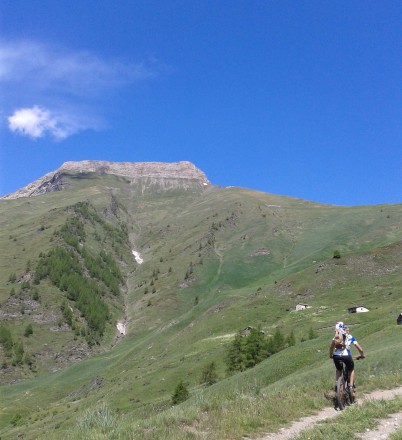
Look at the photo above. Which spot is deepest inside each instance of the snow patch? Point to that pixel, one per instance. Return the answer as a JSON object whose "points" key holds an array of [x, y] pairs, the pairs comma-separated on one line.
{"points": [[137, 257], [121, 327]]}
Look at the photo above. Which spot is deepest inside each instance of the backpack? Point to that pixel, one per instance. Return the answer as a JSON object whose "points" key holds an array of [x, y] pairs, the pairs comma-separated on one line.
{"points": [[339, 340]]}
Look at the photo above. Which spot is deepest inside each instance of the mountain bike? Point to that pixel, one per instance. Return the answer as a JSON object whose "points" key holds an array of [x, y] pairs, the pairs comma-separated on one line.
{"points": [[344, 394]]}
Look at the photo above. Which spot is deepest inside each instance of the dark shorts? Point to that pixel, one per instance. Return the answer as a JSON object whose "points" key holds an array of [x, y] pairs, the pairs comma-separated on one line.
{"points": [[347, 360]]}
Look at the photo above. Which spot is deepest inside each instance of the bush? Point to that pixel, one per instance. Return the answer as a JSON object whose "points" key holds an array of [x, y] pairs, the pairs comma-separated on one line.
{"points": [[35, 294], [67, 313], [28, 330], [18, 354], [16, 419]]}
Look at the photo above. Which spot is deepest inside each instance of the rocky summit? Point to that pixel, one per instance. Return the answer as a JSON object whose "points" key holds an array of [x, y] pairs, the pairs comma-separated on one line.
{"points": [[162, 173]]}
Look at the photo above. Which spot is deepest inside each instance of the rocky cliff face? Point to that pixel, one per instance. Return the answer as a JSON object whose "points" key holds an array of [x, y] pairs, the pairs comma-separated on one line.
{"points": [[165, 175]]}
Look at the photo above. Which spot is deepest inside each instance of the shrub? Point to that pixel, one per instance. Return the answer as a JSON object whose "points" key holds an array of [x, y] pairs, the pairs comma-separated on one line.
{"points": [[18, 354], [35, 294], [16, 419], [25, 285], [28, 330], [67, 313]]}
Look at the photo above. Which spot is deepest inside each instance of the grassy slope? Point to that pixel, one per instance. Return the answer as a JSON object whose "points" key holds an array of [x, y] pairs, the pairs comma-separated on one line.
{"points": [[217, 233]]}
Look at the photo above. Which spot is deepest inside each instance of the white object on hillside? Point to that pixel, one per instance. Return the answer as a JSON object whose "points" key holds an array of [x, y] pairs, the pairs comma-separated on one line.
{"points": [[302, 307], [137, 257], [358, 309], [121, 327]]}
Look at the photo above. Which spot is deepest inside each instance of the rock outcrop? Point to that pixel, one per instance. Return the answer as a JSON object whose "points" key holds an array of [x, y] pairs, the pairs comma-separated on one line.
{"points": [[165, 175]]}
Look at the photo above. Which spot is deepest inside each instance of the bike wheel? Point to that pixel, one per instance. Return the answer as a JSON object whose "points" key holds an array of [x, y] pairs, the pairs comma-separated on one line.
{"points": [[341, 393]]}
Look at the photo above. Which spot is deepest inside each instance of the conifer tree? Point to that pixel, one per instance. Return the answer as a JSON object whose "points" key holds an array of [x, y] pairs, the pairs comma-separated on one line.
{"points": [[209, 375], [279, 340], [291, 340], [180, 393], [235, 358], [276, 342], [255, 348], [6, 340], [312, 334]]}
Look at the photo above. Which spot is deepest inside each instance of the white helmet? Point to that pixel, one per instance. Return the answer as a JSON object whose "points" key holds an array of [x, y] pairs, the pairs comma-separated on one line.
{"points": [[339, 326]]}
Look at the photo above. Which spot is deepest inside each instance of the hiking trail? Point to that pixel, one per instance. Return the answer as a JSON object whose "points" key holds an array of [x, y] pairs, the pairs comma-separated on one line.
{"points": [[385, 428]]}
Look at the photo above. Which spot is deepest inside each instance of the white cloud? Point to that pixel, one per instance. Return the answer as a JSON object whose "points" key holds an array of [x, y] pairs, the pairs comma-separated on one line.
{"points": [[70, 90], [46, 67], [37, 122]]}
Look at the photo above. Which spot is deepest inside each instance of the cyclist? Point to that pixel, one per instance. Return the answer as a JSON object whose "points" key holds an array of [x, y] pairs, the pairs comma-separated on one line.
{"points": [[340, 352]]}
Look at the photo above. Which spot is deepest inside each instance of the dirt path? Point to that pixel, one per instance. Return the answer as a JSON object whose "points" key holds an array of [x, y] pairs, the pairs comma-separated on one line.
{"points": [[384, 429], [387, 426]]}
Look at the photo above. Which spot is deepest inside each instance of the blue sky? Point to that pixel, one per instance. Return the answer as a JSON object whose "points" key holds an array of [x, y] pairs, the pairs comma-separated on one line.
{"points": [[297, 98]]}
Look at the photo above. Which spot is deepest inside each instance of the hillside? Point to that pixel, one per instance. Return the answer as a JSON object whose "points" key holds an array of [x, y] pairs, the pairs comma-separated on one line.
{"points": [[120, 280]]}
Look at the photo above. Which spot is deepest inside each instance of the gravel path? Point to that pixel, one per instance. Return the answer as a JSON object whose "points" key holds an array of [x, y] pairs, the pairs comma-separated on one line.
{"points": [[386, 427]]}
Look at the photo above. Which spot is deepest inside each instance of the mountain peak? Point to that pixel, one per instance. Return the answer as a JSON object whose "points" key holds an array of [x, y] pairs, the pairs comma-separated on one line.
{"points": [[159, 172], [175, 170]]}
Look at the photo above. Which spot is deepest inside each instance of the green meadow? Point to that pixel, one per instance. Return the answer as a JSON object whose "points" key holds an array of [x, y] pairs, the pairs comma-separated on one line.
{"points": [[215, 261]]}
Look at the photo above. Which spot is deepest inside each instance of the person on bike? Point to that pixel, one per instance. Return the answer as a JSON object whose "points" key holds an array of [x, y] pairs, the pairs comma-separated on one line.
{"points": [[339, 351]]}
